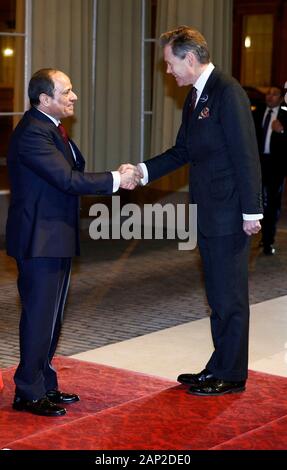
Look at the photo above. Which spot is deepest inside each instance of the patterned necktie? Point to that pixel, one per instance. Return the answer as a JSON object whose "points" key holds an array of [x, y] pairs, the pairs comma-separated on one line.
{"points": [[265, 127], [63, 133], [193, 98]]}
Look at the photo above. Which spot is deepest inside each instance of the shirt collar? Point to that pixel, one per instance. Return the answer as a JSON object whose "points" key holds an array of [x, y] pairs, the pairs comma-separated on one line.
{"points": [[55, 121], [202, 79], [274, 110]]}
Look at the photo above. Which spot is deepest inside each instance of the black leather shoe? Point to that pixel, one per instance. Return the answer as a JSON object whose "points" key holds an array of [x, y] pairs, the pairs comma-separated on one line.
{"points": [[217, 387], [42, 407], [55, 396], [196, 379], [269, 250]]}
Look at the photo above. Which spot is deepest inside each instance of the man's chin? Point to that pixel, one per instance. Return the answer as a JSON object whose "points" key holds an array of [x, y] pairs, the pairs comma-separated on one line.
{"points": [[69, 113]]}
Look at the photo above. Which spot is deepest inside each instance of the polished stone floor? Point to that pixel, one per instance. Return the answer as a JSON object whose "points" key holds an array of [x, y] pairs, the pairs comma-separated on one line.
{"points": [[125, 289]]}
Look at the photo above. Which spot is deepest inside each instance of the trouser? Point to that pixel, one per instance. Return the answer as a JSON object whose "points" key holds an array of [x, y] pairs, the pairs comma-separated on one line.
{"points": [[272, 190], [43, 285], [225, 262]]}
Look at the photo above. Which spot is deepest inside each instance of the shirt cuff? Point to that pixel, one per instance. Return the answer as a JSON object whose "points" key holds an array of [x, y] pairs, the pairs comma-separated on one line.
{"points": [[252, 216], [116, 180], [144, 180]]}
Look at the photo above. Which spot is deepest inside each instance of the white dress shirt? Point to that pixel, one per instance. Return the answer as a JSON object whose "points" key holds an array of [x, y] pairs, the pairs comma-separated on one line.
{"points": [[274, 115], [115, 174]]}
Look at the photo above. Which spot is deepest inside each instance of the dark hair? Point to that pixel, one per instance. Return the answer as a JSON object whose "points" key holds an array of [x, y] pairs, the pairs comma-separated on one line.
{"points": [[277, 87], [41, 82], [184, 39], [281, 88]]}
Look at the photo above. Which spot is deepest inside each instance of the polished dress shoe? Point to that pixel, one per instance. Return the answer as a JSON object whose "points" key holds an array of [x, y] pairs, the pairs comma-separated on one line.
{"points": [[56, 396], [42, 407], [196, 379], [269, 250], [217, 387]]}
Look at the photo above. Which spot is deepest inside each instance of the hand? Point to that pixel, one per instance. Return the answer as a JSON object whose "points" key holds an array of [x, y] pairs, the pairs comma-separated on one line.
{"points": [[130, 176], [251, 227], [277, 126], [140, 170]]}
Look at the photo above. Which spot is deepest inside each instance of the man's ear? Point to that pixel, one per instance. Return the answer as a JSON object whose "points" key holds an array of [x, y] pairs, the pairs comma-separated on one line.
{"points": [[190, 57], [44, 99]]}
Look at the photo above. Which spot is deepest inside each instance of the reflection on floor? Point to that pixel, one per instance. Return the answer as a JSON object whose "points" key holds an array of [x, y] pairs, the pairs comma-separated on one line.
{"points": [[187, 347], [139, 396]]}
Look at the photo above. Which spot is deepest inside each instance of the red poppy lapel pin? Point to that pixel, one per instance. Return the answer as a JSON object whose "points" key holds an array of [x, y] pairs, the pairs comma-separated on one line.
{"points": [[204, 113]]}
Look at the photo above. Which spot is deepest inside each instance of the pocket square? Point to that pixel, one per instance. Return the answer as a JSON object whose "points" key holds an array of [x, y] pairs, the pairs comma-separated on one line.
{"points": [[204, 113]]}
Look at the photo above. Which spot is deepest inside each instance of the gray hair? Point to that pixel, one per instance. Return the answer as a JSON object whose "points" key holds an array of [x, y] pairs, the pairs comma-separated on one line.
{"points": [[183, 40]]}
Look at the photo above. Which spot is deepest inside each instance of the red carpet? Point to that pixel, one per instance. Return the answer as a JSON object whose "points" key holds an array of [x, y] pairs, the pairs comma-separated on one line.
{"points": [[123, 410]]}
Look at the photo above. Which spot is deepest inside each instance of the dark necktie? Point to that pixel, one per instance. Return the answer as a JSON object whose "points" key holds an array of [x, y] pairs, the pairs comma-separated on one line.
{"points": [[265, 128], [63, 133], [65, 138], [193, 99]]}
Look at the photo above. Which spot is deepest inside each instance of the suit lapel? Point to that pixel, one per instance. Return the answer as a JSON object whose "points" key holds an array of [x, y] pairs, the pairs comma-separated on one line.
{"points": [[282, 112], [80, 164], [65, 149], [68, 153], [205, 96]]}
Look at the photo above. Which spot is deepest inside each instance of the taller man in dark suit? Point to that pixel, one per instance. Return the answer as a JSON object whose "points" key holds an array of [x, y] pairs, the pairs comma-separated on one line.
{"points": [[271, 130], [46, 172], [217, 139]]}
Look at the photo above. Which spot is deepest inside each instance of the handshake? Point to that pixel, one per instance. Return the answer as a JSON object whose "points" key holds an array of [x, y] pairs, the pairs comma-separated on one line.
{"points": [[130, 175]]}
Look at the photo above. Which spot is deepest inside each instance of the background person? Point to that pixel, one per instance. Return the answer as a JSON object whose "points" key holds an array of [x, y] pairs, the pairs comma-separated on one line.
{"points": [[271, 129]]}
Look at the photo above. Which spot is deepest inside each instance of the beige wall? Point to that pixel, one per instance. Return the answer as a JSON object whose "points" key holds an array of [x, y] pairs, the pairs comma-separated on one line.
{"points": [[117, 103], [107, 125], [62, 39], [211, 17]]}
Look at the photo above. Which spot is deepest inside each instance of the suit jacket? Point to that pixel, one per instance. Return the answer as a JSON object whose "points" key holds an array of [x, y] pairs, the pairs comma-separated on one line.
{"points": [[218, 141], [278, 141], [43, 217]]}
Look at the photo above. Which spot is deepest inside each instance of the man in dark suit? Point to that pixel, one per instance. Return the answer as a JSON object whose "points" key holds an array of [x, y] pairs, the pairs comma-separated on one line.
{"points": [[217, 138], [271, 130], [46, 172]]}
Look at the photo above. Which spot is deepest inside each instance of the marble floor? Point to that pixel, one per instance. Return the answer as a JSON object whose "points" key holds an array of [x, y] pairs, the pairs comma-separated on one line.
{"points": [[141, 305], [187, 347]]}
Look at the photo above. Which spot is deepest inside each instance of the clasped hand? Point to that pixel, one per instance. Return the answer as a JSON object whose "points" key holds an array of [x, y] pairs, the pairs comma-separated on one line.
{"points": [[130, 175]]}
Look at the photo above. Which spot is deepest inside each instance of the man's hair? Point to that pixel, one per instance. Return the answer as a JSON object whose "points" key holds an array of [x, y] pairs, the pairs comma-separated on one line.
{"points": [[277, 87], [41, 82], [183, 40], [281, 88]]}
